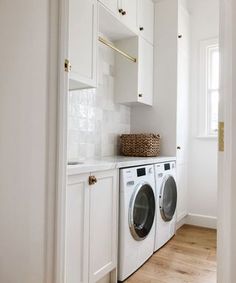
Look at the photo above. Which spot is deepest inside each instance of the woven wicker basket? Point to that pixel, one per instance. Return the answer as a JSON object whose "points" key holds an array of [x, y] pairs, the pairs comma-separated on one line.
{"points": [[140, 145]]}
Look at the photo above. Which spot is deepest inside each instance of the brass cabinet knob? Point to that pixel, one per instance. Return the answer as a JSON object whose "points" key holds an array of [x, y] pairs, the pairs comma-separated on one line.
{"points": [[180, 36], [178, 147], [140, 95], [141, 28], [67, 66], [92, 180], [123, 13]]}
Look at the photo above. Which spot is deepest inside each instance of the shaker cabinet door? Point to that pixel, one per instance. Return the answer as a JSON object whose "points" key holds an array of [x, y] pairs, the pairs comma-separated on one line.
{"points": [[145, 76], [77, 230], [103, 225], [82, 43], [146, 19]]}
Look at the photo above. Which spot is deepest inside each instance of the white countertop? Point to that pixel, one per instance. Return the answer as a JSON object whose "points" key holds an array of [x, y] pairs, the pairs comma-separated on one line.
{"points": [[114, 162]]}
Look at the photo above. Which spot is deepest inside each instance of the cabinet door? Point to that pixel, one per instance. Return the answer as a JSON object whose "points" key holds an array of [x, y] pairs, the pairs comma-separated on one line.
{"points": [[182, 111], [146, 19], [82, 43], [112, 5], [145, 76], [77, 230], [130, 14], [103, 225], [181, 177]]}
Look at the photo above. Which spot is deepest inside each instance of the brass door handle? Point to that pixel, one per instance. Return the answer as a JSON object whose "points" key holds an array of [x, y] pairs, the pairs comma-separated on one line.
{"points": [[92, 180]]}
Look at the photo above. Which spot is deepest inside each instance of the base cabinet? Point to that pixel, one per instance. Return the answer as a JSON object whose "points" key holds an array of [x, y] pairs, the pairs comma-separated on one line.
{"points": [[91, 226], [77, 230], [103, 225]]}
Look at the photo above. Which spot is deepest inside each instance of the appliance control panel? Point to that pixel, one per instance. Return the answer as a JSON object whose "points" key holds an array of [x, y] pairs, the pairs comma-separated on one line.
{"points": [[165, 167], [134, 173]]}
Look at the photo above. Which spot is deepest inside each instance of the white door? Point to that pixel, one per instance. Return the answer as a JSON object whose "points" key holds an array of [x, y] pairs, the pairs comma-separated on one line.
{"points": [[112, 5], [103, 225], [82, 42], [146, 19], [77, 230], [145, 72], [182, 112], [130, 13]]}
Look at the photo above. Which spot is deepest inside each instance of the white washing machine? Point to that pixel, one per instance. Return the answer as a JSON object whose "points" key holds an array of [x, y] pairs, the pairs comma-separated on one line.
{"points": [[137, 218], [166, 198]]}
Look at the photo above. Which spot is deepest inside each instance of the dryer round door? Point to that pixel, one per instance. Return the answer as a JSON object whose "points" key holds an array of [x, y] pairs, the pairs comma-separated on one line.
{"points": [[168, 198], [142, 211]]}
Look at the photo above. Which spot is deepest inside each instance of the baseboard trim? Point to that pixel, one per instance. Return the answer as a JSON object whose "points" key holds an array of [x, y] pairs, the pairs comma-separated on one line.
{"points": [[181, 220], [201, 220]]}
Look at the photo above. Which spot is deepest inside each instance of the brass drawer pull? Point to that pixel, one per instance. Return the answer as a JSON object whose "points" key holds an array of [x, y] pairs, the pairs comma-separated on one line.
{"points": [[92, 180]]}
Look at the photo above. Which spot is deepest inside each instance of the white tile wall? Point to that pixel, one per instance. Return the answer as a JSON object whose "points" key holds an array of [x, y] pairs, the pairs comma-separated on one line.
{"points": [[94, 120]]}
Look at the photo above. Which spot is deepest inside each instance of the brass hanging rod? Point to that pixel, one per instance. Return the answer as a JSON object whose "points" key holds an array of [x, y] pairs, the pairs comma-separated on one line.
{"points": [[109, 44]]}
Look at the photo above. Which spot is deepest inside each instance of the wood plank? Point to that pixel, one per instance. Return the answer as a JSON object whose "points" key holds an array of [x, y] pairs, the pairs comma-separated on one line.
{"points": [[190, 257]]}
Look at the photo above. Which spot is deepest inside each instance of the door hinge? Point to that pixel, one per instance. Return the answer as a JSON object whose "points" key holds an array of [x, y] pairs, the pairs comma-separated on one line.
{"points": [[221, 142], [67, 66]]}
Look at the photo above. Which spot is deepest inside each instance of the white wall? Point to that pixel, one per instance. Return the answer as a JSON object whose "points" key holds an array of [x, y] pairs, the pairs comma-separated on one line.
{"points": [[161, 118], [24, 29], [202, 179]]}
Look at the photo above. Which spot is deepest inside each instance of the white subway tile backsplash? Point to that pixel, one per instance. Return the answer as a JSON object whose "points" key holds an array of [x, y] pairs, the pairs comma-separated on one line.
{"points": [[94, 119]]}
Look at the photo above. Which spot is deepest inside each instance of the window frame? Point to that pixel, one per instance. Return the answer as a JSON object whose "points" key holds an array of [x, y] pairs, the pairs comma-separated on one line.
{"points": [[204, 112]]}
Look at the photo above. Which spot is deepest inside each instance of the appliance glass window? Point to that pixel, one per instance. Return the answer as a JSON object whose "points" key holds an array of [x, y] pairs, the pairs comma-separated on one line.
{"points": [[142, 212], [168, 198]]}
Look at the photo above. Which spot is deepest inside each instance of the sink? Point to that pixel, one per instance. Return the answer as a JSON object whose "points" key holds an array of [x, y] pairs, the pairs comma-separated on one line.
{"points": [[75, 163]]}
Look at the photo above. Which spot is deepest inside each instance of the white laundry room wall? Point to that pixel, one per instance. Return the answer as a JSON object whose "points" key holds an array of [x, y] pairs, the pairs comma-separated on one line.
{"points": [[95, 121], [28, 139], [202, 174]]}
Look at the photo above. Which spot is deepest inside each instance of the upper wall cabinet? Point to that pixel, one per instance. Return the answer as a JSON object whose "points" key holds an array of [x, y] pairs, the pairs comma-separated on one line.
{"points": [[146, 19], [83, 29], [112, 5], [134, 80], [129, 12], [125, 10]]}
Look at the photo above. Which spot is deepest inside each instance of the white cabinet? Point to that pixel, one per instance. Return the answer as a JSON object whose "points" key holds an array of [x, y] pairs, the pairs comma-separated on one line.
{"points": [[112, 5], [103, 225], [129, 13], [145, 74], [82, 43], [91, 227], [182, 111], [146, 19], [77, 230], [134, 81], [126, 11]]}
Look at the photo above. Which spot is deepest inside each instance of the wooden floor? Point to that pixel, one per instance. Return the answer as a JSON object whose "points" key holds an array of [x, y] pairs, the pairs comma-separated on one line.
{"points": [[190, 257]]}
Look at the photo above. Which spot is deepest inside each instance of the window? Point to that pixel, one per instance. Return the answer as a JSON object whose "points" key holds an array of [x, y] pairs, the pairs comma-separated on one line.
{"points": [[209, 87], [212, 89]]}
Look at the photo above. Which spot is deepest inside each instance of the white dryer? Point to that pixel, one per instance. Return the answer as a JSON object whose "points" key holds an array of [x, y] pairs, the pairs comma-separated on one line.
{"points": [[166, 202], [137, 218]]}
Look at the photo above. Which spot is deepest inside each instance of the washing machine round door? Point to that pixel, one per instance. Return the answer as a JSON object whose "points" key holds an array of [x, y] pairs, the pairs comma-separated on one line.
{"points": [[141, 211], [168, 198]]}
